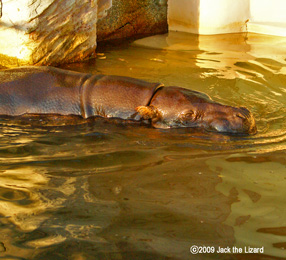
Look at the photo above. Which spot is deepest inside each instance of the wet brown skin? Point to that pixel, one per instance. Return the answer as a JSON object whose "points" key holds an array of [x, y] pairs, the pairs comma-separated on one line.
{"points": [[179, 107], [48, 91]]}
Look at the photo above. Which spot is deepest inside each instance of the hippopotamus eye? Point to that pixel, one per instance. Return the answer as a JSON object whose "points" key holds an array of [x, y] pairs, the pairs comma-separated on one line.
{"points": [[189, 115]]}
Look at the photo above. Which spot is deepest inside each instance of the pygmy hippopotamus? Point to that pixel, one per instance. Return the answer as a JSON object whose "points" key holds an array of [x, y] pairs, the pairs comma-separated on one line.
{"points": [[49, 90]]}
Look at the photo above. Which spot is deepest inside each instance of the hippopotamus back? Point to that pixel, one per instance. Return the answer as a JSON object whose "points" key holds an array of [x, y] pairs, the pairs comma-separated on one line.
{"points": [[40, 90], [48, 90]]}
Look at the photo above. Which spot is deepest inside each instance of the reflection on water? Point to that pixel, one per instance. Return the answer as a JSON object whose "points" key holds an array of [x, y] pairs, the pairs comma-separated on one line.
{"points": [[117, 191]]}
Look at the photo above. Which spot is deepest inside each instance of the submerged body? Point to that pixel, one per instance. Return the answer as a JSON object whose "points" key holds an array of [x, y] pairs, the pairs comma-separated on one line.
{"points": [[48, 90]]}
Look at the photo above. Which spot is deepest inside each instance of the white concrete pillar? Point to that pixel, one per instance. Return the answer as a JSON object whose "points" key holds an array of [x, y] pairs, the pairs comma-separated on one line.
{"points": [[227, 16], [183, 15], [268, 17], [223, 16], [208, 16], [273, 11]]}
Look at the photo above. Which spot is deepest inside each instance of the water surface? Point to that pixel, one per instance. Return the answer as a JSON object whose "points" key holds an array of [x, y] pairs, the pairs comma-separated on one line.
{"points": [[117, 191]]}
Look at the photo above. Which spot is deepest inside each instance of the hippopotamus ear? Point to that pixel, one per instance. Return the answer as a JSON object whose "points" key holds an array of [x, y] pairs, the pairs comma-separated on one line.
{"points": [[149, 112]]}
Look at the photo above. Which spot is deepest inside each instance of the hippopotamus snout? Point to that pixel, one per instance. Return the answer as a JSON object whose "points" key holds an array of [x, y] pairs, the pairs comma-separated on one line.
{"points": [[226, 119]]}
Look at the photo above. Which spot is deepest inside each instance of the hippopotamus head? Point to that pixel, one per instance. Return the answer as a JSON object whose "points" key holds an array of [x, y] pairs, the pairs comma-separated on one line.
{"points": [[179, 107]]}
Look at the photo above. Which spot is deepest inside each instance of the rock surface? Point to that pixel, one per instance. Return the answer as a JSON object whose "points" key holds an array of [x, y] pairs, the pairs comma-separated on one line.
{"points": [[102, 7], [133, 18], [52, 32], [46, 32]]}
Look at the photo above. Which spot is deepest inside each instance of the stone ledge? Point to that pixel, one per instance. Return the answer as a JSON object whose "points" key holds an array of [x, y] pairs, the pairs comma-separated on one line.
{"points": [[133, 18]]}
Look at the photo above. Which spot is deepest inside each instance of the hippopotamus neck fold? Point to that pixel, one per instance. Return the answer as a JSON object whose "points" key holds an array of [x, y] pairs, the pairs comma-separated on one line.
{"points": [[115, 96]]}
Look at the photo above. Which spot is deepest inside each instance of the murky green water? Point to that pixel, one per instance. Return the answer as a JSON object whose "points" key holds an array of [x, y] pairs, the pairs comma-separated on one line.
{"points": [[108, 191]]}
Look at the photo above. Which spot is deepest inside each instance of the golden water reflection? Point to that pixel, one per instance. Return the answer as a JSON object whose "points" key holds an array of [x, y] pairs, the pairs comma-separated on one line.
{"points": [[259, 182], [106, 191]]}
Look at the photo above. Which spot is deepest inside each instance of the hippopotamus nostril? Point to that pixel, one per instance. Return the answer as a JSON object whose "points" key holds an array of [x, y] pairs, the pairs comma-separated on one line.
{"points": [[248, 121], [243, 113]]}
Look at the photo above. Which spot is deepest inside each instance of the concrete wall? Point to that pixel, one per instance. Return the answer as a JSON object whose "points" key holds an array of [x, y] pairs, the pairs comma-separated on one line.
{"points": [[268, 17], [226, 16], [184, 15], [268, 11], [223, 16]]}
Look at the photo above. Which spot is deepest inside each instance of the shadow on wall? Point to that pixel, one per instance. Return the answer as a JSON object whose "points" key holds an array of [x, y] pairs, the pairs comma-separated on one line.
{"points": [[185, 19]]}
